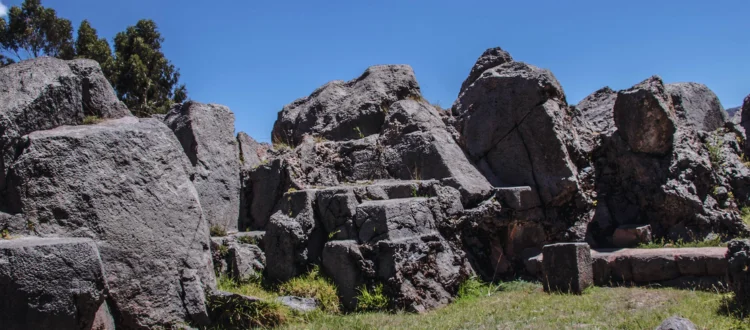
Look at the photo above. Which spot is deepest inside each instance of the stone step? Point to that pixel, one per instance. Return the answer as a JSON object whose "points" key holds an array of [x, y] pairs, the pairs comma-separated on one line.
{"points": [[650, 265]]}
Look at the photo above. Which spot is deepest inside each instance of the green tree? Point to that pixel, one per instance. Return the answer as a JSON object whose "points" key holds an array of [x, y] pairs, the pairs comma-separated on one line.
{"points": [[144, 79], [32, 31], [89, 45]]}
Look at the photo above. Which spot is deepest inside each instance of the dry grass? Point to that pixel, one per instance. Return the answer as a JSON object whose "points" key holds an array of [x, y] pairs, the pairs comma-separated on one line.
{"points": [[519, 305]]}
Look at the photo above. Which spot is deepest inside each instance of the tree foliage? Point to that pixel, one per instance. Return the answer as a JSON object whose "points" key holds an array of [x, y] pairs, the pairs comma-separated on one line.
{"points": [[89, 45], [32, 30], [142, 76], [144, 79]]}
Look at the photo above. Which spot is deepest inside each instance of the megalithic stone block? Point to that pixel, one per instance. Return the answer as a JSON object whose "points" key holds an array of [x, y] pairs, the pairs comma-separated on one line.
{"points": [[567, 267]]}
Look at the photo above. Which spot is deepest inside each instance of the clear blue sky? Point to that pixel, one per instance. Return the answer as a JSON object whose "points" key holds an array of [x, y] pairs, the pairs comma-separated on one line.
{"points": [[257, 56]]}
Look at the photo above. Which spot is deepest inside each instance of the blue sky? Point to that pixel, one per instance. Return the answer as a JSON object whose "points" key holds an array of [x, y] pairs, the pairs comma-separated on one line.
{"points": [[257, 56]]}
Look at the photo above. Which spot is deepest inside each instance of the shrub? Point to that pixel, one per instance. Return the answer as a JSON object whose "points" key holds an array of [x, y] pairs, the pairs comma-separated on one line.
{"points": [[714, 145], [372, 301], [217, 230], [313, 285]]}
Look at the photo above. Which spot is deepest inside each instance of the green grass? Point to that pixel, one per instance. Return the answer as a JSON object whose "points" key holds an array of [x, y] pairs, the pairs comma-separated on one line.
{"points": [[745, 212], [663, 243], [313, 285], [523, 305]]}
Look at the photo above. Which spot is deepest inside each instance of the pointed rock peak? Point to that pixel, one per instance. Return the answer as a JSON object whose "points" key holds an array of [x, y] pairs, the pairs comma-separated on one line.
{"points": [[489, 59]]}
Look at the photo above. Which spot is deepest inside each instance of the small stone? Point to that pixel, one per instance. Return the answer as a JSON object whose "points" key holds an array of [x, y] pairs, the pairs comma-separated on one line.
{"points": [[676, 323], [298, 303], [567, 267]]}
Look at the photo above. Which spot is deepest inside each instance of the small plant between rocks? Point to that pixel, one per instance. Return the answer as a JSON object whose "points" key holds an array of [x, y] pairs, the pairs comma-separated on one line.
{"points": [[218, 231], [91, 120]]}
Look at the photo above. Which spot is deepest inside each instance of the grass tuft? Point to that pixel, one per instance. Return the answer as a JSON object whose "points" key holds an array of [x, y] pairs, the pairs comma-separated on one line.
{"points": [[218, 231], [247, 240], [313, 285], [91, 120], [372, 301]]}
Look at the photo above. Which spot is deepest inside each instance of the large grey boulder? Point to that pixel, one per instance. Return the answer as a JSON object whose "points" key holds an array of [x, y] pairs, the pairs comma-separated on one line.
{"points": [[375, 127], [343, 110], [45, 93], [206, 132], [125, 184], [53, 283], [695, 104], [644, 116], [513, 121]]}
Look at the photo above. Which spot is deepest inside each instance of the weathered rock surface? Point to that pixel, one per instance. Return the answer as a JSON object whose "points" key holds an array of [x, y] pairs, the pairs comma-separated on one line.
{"points": [[644, 116], [696, 105], [124, 183], [45, 93], [676, 323], [52, 283], [206, 133]]}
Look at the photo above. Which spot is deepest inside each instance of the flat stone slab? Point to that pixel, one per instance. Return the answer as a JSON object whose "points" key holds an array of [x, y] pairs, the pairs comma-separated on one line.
{"points": [[649, 265]]}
